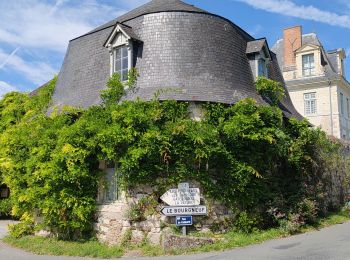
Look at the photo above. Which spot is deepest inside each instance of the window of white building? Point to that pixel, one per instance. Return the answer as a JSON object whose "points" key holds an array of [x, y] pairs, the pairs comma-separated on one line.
{"points": [[310, 103], [308, 64], [348, 107], [342, 103]]}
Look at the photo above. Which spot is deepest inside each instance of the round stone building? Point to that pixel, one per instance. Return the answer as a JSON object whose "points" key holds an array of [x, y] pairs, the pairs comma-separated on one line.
{"points": [[180, 52], [186, 52]]}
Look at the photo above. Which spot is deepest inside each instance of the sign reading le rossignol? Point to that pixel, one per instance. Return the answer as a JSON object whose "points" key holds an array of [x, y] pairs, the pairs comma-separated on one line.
{"points": [[180, 211], [183, 196]]}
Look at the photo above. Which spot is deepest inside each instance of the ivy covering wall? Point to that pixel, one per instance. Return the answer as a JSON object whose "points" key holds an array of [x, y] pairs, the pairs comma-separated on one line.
{"points": [[264, 167]]}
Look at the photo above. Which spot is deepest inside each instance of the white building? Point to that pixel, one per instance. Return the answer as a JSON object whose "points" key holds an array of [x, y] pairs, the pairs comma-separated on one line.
{"points": [[316, 81]]}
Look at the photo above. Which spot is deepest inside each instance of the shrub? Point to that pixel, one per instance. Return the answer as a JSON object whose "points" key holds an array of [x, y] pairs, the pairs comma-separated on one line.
{"points": [[139, 211], [5, 207], [308, 210], [24, 228], [292, 224], [245, 223]]}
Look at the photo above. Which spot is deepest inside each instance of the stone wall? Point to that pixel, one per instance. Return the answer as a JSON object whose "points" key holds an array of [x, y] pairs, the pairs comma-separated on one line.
{"points": [[113, 225]]}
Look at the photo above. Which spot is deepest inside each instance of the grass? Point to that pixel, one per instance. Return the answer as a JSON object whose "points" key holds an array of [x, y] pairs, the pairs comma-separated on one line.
{"points": [[230, 240], [53, 246]]}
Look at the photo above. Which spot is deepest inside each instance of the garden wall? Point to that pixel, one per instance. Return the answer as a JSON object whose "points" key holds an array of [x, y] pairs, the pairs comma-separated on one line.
{"points": [[113, 224]]}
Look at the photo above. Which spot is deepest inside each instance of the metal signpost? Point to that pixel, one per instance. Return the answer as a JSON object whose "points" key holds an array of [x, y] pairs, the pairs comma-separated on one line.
{"points": [[184, 203]]}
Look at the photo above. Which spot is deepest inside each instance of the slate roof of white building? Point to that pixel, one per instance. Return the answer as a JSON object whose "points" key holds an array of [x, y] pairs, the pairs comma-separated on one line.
{"points": [[331, 68]]}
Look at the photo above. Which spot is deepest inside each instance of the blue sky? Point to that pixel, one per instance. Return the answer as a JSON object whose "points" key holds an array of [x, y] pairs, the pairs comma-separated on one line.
{"points": [[34, 34]]}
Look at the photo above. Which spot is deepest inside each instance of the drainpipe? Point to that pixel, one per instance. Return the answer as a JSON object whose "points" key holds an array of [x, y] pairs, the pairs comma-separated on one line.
{"points": [[330, 104]]}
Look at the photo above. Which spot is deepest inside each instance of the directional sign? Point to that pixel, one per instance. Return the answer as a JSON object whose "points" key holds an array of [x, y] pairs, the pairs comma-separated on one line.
{"points": [[182, 197], [184, 221], [180, 211]]}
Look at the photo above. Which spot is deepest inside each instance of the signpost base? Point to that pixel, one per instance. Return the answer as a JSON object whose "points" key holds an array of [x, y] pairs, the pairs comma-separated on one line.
{"points": [[184, 231]]}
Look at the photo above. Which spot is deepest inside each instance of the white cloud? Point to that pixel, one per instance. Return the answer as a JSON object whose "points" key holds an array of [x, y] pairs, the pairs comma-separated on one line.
{"points": [[43, 28], [3, 64], [289, 8], [37, 24], [5, 88], [36, 72], [347, 52]]}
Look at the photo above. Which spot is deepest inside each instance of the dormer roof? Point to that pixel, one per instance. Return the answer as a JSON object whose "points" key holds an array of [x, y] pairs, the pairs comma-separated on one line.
{"points": [[125, 30], [257, 46]]}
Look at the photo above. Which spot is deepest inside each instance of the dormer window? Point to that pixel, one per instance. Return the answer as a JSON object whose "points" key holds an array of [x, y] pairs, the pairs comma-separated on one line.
{"points": [[262, 69], [259, 57], [120, 44], [308, 65], [121, 62]]}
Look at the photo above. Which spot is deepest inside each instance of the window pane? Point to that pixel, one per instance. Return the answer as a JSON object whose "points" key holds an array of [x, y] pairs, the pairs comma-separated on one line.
{"points": [[118, 54], [111, 185], [121, 62], [125, 64], [310, 103], [261, 68], [308, 64], [124, 74], [124, 52], [117, 66]]}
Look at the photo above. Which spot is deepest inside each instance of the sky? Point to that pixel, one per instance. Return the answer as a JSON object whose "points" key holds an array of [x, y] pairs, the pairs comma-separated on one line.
{"points": [[34, 34]]}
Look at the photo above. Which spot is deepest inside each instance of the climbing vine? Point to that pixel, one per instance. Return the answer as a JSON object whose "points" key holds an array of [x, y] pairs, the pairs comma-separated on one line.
{"points": [[245, 155]]}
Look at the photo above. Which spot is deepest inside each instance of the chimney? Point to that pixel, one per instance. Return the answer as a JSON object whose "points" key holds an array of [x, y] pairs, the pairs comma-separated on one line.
{"points": [[292, 42]]}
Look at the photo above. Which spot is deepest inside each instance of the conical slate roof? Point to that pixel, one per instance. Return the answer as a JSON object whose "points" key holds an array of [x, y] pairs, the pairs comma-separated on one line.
{"points": [[154, 6], [182, 52]]}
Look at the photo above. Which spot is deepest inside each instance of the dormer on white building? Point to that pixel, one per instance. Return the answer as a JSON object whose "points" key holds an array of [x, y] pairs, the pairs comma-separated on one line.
{"points": [[337, 58], [310, 61]]}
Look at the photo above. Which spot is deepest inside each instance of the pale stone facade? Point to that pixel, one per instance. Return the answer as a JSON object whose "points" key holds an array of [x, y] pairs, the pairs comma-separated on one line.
{"points": [[316, 81]]}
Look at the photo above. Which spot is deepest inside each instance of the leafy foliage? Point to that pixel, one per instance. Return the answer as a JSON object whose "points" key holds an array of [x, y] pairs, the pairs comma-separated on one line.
{"points": [[270, 89], [245, 155]]}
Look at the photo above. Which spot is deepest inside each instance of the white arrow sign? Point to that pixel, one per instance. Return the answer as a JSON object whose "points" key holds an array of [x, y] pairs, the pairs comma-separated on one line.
{"points": [[182, 197], [181, 211]]}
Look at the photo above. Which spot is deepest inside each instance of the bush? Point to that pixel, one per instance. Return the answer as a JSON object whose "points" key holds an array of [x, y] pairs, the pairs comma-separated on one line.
{"points": [[139, 211], [292, 224], [24, 228], [308, 210], [5, 207], [245, 223]]}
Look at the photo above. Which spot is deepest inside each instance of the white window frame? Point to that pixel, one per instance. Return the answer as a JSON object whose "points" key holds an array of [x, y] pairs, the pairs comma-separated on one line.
{"points": [[309, 70], [348, 107], [121, 40], [310, 103], [123, 77]]}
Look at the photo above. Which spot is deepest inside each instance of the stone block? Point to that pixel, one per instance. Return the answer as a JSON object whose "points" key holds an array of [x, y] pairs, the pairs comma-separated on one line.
{"points": [[137, 236], [154, 238], [184, 242], [43, 233]]}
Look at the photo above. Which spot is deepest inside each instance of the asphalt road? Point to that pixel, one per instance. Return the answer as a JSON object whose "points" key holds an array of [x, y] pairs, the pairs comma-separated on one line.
{"points": [[331, 243]]}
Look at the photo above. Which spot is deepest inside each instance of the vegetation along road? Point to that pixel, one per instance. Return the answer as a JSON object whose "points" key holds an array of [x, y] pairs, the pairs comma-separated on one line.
{"points": [[328, 243]]}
